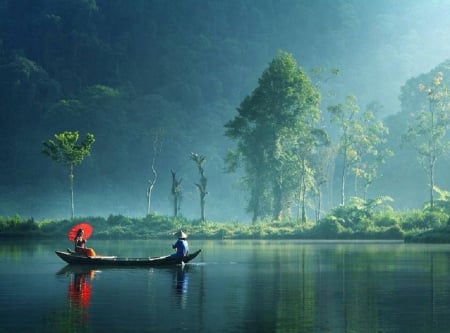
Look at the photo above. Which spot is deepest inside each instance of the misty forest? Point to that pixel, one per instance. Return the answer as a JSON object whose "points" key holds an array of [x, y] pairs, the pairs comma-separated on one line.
{"points": [[248, 110]]}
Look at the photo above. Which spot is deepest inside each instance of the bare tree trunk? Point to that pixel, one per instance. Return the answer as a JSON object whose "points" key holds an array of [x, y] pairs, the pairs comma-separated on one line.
{"points": [[157, 143], [72, 205], [303, 199], [176, 192], [319, 204], [175, 206], [151, 183], [255, 206], [277, 205], [431, 175], [202, 203], [344, 171], [200, 160]]}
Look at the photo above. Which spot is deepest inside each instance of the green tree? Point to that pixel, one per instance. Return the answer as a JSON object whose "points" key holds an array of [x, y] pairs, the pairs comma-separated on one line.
{"points": [[66, 150], [323, 158], [361, 143], [271, 123], [344, 115], [321, 161], [305, 164], [428, 131], [370, 147]]}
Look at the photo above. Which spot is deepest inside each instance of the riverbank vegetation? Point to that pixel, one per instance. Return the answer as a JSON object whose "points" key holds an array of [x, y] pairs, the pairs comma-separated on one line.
{"points": [[350, 222]]}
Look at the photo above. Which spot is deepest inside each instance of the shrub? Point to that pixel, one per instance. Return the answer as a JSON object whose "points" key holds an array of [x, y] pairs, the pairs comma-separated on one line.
{"points": [[329, 227], [419, 220], [387, 219], [118, 220], [393, 233]]}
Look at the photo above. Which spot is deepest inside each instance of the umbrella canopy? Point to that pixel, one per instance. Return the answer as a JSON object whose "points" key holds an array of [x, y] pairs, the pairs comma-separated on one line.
{"points": [[83, 225]]}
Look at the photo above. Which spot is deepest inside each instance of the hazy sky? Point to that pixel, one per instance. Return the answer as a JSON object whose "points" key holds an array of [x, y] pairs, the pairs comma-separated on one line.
{"points": [[403, 39]]}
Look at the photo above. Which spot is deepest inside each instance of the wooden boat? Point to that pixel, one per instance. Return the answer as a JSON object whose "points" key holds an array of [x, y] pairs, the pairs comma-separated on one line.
{"points": [[74, 258]]}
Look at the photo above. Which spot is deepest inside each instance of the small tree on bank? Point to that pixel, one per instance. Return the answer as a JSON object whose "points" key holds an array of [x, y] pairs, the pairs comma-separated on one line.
{"points": [[66, 150], [429, 128]]}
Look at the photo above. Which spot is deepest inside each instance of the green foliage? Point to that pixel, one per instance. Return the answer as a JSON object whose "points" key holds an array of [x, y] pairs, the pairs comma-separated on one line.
{"points": [[440, 204], [439, 235], [424, 220], [353, 217], [428, 131], [328, 227], [273, 124], [345, 223], [394, 232], [387, 219], [66, 150], [16, 226], [118, 220], [362, 143]]}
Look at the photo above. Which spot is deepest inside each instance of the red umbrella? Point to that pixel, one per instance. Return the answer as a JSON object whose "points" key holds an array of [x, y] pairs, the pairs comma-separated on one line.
{"points": [[83, 225]]}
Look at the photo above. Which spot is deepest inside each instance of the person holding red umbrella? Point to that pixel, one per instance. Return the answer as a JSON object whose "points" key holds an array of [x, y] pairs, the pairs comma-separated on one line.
{"points": [[79, 234], [80, 242]]}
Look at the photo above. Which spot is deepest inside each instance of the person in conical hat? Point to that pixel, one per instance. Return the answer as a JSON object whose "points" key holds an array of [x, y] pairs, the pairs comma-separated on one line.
{"points": [[181, 235], [181, 245]]}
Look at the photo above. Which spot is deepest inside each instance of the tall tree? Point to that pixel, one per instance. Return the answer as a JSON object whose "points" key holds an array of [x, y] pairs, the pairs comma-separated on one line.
{"points": [[268, 128], [344, 115], [361, 142], [429, 128], [371, 148], [323, 161], [311, 165], [200, 161], [66, 150]]}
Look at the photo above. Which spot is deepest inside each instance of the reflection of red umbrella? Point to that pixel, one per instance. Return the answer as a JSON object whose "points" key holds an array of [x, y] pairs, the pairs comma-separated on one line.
{"points": [[80, 291], [83, 225]]}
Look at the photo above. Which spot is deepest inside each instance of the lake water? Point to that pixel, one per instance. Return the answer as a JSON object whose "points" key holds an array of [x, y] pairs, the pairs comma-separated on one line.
{"points": [[232, 286]]}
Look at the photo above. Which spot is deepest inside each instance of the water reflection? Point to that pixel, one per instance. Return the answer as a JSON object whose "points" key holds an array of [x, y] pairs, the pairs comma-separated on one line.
{"points": [[79, 293], [181, 281], [238, 286], [80, 289]]}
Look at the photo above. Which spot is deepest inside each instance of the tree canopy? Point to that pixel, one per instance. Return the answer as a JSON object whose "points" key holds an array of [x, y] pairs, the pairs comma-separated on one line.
{"points": [[66, 150], [272, 124]]}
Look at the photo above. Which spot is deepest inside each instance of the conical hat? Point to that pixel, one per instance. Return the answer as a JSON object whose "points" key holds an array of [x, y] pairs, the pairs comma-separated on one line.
{"points": [[181, 234]]}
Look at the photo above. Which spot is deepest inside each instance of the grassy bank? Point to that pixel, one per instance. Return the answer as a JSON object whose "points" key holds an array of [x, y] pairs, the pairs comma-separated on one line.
{"points": [[342, 224]]}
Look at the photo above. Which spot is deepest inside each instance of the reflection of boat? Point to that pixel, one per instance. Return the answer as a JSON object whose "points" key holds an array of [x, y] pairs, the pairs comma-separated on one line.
{"points": [[74, 258], [77, 269]]}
